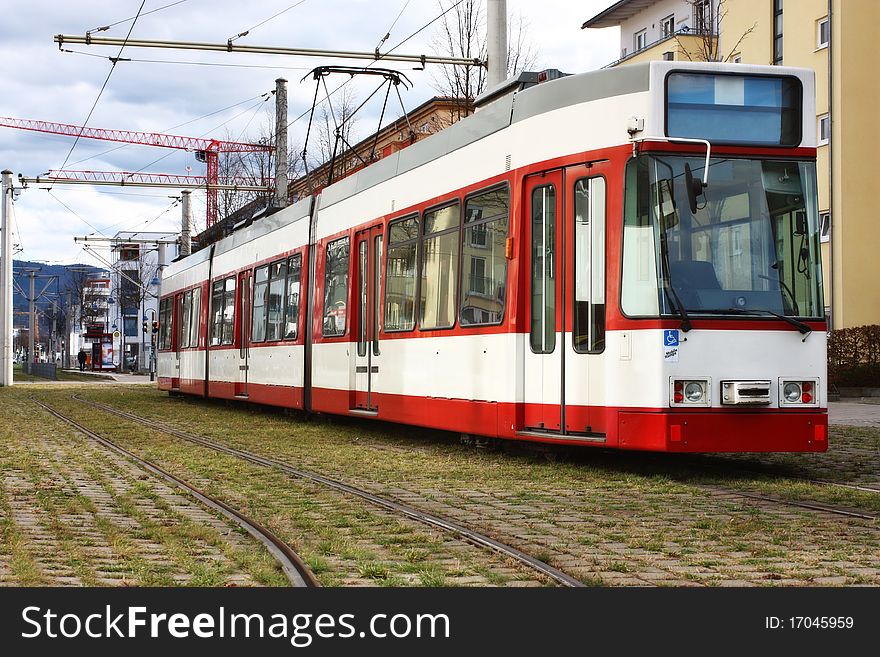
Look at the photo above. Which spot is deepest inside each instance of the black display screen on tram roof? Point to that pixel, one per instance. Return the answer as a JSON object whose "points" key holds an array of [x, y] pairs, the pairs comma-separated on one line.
{"points": [[760, 110]]}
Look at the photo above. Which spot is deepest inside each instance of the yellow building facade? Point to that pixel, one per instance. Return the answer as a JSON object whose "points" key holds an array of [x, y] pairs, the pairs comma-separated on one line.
{"points": [[838, 40]]}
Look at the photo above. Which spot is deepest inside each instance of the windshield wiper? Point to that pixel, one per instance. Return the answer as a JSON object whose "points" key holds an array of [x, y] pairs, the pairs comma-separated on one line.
{"points": [[804, 329]]}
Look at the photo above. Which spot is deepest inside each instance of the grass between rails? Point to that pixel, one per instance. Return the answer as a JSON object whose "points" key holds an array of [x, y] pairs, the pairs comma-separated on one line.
{"points": [[344, 541], [605, 517]]}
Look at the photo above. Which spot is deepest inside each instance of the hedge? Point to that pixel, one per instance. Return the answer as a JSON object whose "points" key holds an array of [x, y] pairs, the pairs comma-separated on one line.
{"points": [[854, 356]]}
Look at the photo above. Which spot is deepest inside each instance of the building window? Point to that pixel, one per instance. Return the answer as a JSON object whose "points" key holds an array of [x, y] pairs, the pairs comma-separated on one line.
{"points": [[737, 59], [669, 56], [667, 27], [823, 32], [777, 32], [825, 226], [439, 277], [703, 17], [484, 243], [336, 288], [640, 40], [824, 129]]}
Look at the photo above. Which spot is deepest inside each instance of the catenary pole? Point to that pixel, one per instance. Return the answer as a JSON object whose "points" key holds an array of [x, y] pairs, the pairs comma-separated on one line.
{"points": [[496, 42], [6, 282], [185, 223], [280, 143]]}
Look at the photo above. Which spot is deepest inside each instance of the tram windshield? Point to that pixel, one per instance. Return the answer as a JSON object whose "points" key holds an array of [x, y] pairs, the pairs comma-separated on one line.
{"points": [[752, 246]]}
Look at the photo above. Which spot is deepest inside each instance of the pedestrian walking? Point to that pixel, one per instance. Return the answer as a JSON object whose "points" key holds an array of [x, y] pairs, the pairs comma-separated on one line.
{"points": [[81, 357]]}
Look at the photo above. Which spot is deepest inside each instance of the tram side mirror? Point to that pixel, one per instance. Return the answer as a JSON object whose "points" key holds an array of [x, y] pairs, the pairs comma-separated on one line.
{"points": [[694, 186]]}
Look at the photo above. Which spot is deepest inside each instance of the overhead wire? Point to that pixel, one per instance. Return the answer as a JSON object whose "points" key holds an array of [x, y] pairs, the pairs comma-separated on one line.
{"points": [[103, 86], [380, 56], [265, 95], [74, 212], [104, 28], [260, 24], [190, 63]]}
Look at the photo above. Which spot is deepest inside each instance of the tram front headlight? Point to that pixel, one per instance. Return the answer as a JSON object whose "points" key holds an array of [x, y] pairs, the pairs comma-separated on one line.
{"points": [[694, 392], [689, 392], [792, 392]]}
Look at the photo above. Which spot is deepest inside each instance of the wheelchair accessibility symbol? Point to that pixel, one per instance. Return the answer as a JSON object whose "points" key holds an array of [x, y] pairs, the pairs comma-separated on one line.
{"points": [[670, 338]]}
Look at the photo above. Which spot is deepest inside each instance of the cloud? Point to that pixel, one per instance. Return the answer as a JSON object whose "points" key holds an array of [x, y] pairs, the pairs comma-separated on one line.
{"points": [[44, 83]]}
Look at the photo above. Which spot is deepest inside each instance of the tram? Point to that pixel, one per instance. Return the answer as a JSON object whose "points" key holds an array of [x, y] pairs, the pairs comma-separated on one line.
{"points": [[626, 258]]}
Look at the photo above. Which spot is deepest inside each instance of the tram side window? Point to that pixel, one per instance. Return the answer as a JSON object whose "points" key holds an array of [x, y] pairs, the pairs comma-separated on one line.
{"points": [[229, 311], [186, 319], [484, 263], [275, 306], [261, 293], [217, 307], [589, 265], [336, 288], [400, 275], [222, 309], [195, 316], [439, 276], [165, 315], [291, 311]]}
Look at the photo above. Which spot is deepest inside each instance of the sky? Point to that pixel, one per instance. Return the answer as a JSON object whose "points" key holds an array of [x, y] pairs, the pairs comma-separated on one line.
{"points": [[220, 95]]}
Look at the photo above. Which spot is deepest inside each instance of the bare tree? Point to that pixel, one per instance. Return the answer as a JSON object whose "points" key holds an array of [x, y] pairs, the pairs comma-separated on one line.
{"points": [[462, 33], [256, 168], [708, 17], [335, 131]]}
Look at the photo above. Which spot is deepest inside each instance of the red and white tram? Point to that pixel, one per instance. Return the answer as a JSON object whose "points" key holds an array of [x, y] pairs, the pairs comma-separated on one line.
{"points": [[552, 268]]}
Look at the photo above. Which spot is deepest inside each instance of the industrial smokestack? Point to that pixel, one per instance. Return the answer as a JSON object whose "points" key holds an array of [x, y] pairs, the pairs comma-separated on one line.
{"points": [[185, 223], [496, 42], [280, 200]]}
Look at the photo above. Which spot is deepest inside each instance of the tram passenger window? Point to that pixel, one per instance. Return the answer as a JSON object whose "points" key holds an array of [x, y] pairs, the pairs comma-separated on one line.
{"points": [[439, 276], [589, 265], [195, 317], [336, 288], [291, 310], [484, 277], [275, 314], [165, 320], [217, 306], [400, 275], [186, 316], [261, 292], [229, 311]]}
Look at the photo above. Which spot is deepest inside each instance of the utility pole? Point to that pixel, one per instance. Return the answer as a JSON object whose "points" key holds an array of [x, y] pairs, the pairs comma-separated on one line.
{"points": [[280, 143], [32, 317], [496, 42], [185, 223], [6, 282]]}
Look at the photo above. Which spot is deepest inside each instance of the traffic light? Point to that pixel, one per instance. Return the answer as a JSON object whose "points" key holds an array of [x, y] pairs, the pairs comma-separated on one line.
{"points": [[146, 330], [155, 327]]}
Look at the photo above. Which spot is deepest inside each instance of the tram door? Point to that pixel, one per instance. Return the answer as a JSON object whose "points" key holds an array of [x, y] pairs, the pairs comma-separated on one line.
{"points": [[543, 349], [244, 332], [177, 339], [368, 284]]}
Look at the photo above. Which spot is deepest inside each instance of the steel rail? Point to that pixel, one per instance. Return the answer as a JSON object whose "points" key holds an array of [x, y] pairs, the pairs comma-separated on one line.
{"points": [[297, 572], [445, 524]]}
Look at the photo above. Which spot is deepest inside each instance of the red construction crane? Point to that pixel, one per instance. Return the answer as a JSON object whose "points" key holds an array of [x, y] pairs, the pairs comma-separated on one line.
{"points": [[206, 150]]}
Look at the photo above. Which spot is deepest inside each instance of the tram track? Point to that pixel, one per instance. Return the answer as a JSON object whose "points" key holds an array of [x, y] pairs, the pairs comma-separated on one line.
{"points": [[295, 569], [438, 522]]}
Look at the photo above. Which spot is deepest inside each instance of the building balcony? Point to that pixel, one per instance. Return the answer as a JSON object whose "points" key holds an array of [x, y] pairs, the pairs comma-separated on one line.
{"points": [[685, 44]]}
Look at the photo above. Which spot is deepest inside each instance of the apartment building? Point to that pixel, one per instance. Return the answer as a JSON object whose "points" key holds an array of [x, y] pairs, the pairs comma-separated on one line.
{"points": [[835, 38]]}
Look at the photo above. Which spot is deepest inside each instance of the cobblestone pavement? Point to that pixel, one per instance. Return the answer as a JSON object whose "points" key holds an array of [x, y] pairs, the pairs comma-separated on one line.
{"points": [[73, 514]]}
